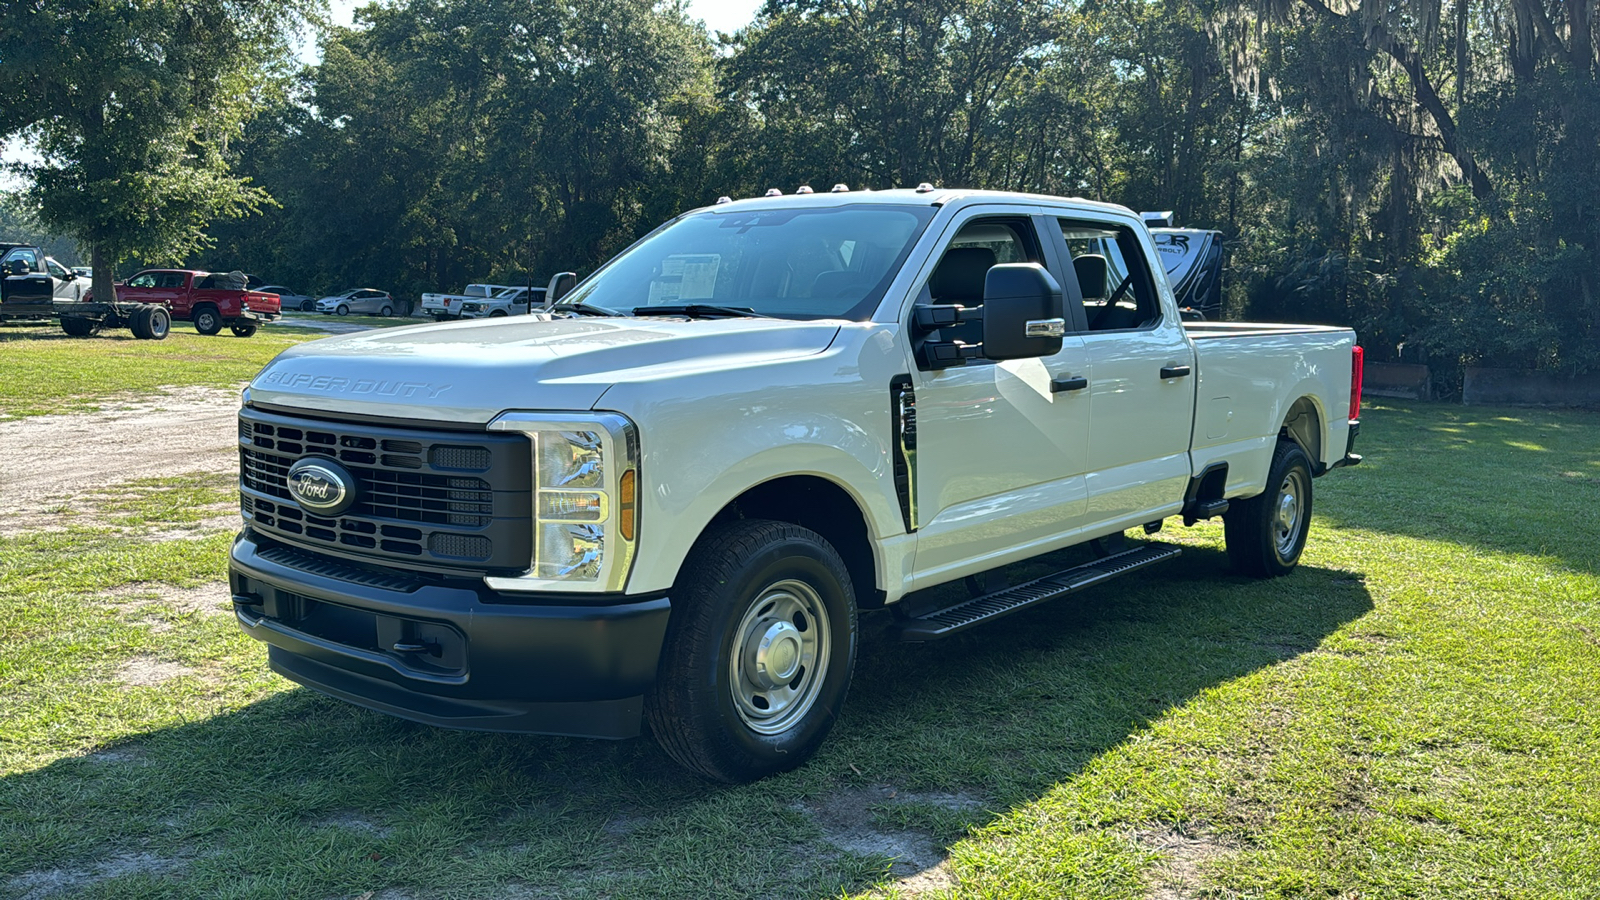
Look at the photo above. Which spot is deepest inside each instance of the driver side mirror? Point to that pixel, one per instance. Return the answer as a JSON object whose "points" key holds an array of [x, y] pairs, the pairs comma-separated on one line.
{"points": [[560, 285], [1023, 314]]}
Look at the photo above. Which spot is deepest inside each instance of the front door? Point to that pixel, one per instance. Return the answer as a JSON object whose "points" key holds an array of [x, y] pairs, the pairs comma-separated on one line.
{"points": [[1000, 456]]}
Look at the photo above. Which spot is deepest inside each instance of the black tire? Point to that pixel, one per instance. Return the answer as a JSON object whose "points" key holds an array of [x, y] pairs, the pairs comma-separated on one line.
{"points": [[1267, 533], [498, 314], [139, 323], [77, 326], [207, 320], [754, 594], [244, 329], [308, 305], [386, 312], [158, 323], [343, 310]]}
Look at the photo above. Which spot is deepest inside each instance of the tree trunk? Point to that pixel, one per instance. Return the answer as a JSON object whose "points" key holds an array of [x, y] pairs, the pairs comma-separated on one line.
{"points": [[102, 279]]}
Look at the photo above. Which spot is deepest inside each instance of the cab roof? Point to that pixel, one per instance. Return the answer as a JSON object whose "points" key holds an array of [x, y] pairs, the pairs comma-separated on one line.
{"points": [[924, 196]]}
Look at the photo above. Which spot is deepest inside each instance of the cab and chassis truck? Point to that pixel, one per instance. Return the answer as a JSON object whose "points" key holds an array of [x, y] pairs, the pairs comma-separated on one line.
{"points": [[669, 502]]}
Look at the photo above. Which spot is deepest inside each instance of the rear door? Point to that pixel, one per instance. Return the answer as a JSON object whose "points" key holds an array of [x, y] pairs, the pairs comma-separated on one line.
{"points": [[1141, 373]]}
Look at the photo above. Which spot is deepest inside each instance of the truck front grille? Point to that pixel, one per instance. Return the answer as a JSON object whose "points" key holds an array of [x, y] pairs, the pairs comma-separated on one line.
{"points": [[432, 497]]}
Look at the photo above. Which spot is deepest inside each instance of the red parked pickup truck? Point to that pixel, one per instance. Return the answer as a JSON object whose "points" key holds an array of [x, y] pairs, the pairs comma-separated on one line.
{"points": [[209, 300]]}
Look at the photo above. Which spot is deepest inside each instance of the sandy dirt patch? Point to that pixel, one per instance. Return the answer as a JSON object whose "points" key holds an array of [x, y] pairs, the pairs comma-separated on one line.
{"points": [[50, 464]]}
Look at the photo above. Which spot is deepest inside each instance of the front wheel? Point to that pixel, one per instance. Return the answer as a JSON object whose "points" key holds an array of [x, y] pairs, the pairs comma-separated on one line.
{"points": [[343, 310], [244, 329], [207, 321], [1267, 533], [759, 651]]}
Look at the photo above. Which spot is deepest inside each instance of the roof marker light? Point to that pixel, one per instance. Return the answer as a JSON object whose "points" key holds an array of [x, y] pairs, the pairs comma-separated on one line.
{"points": [[724, 199], [774, 192], [924, 188], [840, 188], [804, 189]]}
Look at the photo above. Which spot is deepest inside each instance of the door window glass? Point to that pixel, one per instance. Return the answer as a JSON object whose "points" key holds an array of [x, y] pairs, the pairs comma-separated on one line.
{"points": [[57, 270], [143, 280], [1118, 290], [958, 279], [28, 257], [169, 280]]}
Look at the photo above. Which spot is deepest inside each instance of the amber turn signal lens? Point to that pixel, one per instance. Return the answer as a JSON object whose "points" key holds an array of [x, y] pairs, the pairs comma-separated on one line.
{"points": [[625, 505]]}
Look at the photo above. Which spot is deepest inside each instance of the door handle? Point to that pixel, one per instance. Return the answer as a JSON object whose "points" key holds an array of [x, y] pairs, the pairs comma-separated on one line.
{"points": [[1068, 384], [1174, 371]]}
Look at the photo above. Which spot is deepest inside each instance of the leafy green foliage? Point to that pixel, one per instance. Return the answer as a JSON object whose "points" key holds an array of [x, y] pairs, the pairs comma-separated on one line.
{"points": [[131, 107]]}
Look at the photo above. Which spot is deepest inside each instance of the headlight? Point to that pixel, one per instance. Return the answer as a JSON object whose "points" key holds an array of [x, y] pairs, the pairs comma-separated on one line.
{"points": [[585, 472]]}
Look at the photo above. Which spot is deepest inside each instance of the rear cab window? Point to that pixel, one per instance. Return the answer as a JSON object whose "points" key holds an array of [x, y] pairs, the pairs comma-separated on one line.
{"points": [[1119, 292]]}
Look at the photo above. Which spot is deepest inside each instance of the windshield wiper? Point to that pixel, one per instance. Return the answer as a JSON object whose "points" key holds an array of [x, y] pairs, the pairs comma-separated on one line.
{"points": [[699, 311], [582, 309]]}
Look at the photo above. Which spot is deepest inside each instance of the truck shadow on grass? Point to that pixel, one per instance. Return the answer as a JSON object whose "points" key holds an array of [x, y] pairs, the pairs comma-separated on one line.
{"points": [[297, 795]]}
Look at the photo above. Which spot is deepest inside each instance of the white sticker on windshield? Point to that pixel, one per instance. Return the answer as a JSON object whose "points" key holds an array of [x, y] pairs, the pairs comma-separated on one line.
{"points": [[685, 277]]}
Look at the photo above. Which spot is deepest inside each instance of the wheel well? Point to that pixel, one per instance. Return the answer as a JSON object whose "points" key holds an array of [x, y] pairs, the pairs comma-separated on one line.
{"points": [[1303, 425], [823, 507]]}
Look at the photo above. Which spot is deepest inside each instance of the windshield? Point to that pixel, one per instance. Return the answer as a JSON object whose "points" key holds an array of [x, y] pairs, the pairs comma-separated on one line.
{"points": [[818, 263]]}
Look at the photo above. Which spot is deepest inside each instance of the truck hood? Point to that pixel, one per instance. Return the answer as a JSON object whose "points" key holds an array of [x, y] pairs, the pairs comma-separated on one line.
{"points": [[471, 371]]}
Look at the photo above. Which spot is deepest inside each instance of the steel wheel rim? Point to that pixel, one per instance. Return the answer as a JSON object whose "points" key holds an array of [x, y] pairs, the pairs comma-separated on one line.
{"points": [[1289, 514], [205, 321], [780, 657]]}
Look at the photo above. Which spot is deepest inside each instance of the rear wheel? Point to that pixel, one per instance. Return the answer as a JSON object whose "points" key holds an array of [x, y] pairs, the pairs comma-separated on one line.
{"points": [[1267, 533], [207, 320], [308, 305], [759, 651], [77, 326], [158, 323], [386, 312], [244, 329], [139, 323]]}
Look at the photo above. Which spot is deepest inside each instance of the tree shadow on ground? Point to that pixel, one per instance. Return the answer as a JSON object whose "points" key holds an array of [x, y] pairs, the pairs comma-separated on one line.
{"points": [[1498, 479], [300, 795]]}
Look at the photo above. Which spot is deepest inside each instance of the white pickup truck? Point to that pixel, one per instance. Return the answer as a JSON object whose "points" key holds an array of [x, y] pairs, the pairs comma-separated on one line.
{"points": [[668, 502], [512, 301], [448, 306]]}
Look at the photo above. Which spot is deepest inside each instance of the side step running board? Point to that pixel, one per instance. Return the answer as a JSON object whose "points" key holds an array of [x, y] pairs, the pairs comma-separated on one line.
{"points": [[944, 622]]}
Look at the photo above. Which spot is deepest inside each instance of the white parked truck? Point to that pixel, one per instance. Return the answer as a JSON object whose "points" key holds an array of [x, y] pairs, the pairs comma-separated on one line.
{"points": [[448, 306], [669, 502], [512, 301]]}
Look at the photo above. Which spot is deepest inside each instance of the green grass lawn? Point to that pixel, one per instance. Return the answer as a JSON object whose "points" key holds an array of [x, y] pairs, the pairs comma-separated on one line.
{"points": [[45, 371], [1415, 712]]}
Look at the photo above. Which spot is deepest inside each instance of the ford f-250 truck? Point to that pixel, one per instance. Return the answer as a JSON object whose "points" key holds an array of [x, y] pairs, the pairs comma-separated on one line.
{"points": [[669, 502]]}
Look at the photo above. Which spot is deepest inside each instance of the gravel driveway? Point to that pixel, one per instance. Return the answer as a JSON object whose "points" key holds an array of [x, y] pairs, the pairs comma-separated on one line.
{"points": [[50, 462]]}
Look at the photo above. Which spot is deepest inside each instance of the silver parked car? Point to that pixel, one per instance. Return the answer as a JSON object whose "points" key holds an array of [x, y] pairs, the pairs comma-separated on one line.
{"points": [[360, 300], [289, 297]]}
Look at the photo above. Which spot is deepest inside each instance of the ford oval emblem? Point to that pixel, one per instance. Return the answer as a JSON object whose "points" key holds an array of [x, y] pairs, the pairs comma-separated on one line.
{"points": [[321, 486]]}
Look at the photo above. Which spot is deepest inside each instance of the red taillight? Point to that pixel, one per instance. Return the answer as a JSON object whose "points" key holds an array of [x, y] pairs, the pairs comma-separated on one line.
{"points": [[1357, 364]]}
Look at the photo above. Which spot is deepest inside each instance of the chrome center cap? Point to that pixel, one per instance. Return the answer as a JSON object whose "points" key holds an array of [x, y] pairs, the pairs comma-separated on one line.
{"points": [[1288, 510], [777, 656]]}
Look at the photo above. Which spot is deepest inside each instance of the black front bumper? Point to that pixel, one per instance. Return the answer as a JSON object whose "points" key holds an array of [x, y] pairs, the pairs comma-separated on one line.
{"points": [[456, 654]]}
